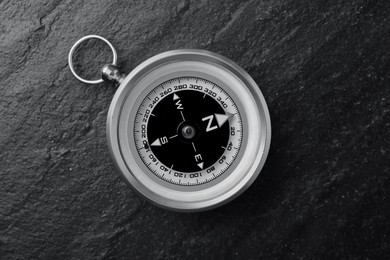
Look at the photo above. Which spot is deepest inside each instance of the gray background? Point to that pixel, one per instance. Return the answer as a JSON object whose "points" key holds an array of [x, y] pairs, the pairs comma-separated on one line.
{"points": [[323, 67]]}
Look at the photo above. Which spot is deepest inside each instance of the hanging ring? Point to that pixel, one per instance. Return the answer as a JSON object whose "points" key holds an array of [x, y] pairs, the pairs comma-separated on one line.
{"points": [[72, 50]]}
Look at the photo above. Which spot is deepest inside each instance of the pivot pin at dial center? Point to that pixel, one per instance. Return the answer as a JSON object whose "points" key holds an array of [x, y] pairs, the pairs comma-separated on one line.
{"points": [[188, 131]]}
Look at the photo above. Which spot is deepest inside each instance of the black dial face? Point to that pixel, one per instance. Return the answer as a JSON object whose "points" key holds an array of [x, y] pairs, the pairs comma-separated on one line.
{"points": [[188, 131], [179, 129]]}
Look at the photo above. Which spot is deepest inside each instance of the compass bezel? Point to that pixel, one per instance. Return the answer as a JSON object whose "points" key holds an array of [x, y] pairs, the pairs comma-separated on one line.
{"points": [[256, 120]]}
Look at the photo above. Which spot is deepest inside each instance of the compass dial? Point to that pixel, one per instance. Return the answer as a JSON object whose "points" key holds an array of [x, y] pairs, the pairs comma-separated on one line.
{"points": [[188, 131]]}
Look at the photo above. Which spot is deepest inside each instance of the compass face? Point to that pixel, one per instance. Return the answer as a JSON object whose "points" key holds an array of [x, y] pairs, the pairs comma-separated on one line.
{"points": [[188, 131]]}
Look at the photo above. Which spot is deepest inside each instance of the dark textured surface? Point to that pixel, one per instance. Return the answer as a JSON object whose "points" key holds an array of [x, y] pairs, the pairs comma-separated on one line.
{"points": [[323, 67]]}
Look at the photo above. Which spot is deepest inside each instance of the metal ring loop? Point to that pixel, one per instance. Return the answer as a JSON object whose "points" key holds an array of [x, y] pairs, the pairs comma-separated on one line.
{"points": [[70, 57]]}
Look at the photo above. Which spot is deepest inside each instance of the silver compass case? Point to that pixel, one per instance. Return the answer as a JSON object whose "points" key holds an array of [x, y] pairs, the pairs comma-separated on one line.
{"points": [[162, 184]]}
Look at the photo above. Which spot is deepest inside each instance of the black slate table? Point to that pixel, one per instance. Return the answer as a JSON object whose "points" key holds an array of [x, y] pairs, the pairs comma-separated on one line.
{"points": [[323, 67]]}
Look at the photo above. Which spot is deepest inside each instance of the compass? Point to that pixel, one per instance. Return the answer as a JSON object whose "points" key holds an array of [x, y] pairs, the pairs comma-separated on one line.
{"points": [[188, 129]]}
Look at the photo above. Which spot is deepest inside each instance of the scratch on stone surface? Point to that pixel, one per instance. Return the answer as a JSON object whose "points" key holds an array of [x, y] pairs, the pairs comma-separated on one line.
{"points": [[49, 25], [289, 35], [56, 4], [233, 18], [183, 7]]}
